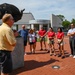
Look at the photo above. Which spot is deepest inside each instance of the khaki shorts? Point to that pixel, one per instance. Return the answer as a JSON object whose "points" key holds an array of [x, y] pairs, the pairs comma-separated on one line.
{"points": [[42, 39], [50, 41], [60, 42]]}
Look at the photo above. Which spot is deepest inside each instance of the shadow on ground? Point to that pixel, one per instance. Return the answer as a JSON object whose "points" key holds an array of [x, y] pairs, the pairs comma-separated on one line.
{"points": [[32, 64]]}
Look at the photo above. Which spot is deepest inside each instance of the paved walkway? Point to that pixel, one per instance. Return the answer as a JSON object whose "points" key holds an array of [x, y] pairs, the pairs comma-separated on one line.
{"points": [[41, 63]]}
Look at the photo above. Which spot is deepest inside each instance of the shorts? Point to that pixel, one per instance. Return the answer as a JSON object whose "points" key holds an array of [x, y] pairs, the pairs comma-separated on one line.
{"points": [[51, 41], [5, 61], [60, 42], [31, 43], [42, 39], [25, 42]]}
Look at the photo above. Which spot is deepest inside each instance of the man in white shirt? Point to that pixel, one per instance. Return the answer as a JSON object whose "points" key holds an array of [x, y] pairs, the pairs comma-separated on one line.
{"points": [[71, 34]]}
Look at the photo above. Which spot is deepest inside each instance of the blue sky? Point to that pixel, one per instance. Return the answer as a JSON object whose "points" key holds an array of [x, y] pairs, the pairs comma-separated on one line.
{"points": [[42, 9]]}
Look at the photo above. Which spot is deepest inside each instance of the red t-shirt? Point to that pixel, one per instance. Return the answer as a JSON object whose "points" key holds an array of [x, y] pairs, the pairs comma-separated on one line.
{"points": [[51, 34], [60, 35], [41, 32]]}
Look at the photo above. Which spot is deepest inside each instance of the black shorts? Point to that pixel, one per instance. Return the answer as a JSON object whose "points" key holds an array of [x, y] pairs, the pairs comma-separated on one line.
{"points": [[25, 42], [5, 61], [31, 43]]}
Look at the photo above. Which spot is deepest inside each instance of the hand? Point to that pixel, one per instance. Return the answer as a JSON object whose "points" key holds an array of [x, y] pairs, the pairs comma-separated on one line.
{"points": [[16, 34], [41, 36]]}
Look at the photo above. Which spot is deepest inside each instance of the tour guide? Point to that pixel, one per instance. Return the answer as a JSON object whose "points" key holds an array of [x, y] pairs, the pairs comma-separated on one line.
{"points": [[7, 44]]}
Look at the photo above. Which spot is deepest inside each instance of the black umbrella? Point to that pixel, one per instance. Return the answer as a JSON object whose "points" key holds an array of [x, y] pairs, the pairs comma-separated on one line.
{"points": [[11, 9]]}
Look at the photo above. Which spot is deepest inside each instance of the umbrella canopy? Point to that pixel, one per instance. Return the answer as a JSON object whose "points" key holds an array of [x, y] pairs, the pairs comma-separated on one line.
{"points": [[11, 9]]}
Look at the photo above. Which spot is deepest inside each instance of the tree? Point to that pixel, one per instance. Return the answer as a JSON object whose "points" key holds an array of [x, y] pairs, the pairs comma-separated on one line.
{"points": [[73, 21], [66, 24], [61, 17]]}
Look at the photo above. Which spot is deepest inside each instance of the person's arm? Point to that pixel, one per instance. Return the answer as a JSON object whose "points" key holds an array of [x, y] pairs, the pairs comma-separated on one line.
{"points": [[70, 34], [45, 34], [28, 38], [62, 37], [39, 34], [54, 35], [15, 33]]}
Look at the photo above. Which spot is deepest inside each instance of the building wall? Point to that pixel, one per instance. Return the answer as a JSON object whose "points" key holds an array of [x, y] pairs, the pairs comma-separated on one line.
{"points": [[55, 21]]}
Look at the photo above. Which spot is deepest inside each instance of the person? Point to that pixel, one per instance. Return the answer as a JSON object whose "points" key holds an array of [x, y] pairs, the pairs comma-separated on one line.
{"points": [[7, 44], [71, 34], [51, 35], [41, 32], [60, 38], [32, 40], [15, 33], [24, 34], [35, 33]]}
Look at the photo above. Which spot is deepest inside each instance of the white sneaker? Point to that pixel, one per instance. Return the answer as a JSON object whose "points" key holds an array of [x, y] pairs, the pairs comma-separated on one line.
{"points": [[74, 56], [70, 55], [25, 54]]}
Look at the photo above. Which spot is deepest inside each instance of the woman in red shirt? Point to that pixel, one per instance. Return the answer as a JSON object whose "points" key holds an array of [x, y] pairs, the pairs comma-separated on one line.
{"points": [[51, 35], [60, 37]]}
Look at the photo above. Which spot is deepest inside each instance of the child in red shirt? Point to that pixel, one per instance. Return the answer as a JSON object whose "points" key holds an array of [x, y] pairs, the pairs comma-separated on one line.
{"points": [[60, 37], [51, 35]]}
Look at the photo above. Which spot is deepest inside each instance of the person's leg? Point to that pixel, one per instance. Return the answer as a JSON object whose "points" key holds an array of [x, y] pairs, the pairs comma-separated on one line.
{"points": [[50, 46], [41, 43], [34, 48], [44, 44], [4, 74], [59, 50], [6, 67], [71, 46], [25, 43], [62, 49], [53, 47], [35, 45], [31, 48]]}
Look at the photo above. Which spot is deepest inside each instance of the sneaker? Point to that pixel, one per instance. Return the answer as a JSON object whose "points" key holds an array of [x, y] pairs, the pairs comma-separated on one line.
{"points": [[70, 55], [25, 54], [74, 56], [41, 49], [50, 54], [48, 51], [59, 55], [45, 49], [54, 54], [63, 57]]}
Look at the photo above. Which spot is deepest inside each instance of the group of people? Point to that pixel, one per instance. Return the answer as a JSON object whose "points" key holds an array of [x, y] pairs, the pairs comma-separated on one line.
{"points": [[51, 35], [8, 41], [31, 37]]}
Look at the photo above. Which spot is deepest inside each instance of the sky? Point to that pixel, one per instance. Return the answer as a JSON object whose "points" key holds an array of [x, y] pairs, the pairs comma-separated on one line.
{"points": [[42, 9]]}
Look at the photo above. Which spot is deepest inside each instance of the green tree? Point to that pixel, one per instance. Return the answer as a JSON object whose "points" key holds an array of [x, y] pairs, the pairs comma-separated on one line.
{"points": [[61, 17], [73, 21], [66, 24]]}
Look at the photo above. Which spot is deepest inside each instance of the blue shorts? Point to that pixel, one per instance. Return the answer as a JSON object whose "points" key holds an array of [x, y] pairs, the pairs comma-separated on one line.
{"points": [[25, 42], [5, 61]]}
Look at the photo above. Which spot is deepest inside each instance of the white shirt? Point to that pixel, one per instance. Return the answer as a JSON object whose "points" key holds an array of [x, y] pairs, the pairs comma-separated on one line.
{"points": [[71, 30], [31, 37]]}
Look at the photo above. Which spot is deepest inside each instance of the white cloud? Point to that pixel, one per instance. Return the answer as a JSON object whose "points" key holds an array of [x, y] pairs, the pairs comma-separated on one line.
{"points": [[44, 8]]}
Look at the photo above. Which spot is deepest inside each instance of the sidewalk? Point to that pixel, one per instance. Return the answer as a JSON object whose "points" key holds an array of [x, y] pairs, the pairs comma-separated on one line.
{"points": [[41, 63]]}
